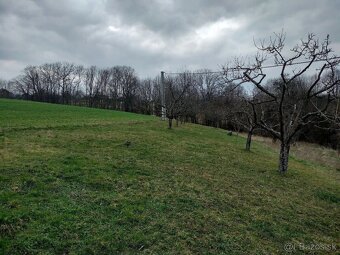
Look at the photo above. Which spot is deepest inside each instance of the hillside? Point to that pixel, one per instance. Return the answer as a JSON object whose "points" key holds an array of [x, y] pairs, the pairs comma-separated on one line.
{"points": [[88, 181]]}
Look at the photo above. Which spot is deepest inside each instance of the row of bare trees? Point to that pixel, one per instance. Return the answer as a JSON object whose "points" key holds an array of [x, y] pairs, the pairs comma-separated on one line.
{"points": [[66, 83], [190, 96]]}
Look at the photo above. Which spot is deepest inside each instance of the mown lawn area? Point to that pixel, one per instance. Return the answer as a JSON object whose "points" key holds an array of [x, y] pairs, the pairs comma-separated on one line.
{"points": [[78, 180]]}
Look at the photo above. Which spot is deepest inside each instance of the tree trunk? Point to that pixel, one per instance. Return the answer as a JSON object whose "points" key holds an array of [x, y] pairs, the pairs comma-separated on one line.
{"points": [[250, 133], [177, 122], [284, 156], [170, 123]]}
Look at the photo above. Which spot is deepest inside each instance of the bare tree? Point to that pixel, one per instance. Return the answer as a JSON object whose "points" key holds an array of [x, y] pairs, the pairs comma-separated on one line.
{"points": [[102, 87], [129, 83], [76, 91], [3, 84], [89, 82], [5, 89], [28, 83], [50, 78], [293, 104], [146, 93], [210, 93], [66, 79], [115, 91], [242, 116], [176, 89]]}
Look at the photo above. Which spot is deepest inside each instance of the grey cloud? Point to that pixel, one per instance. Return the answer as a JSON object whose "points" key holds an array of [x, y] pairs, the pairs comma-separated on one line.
{"points": [[151, 35]]}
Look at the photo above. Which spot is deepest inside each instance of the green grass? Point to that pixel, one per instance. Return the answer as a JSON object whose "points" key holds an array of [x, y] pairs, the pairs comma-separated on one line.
{"points": [[69, 184]]}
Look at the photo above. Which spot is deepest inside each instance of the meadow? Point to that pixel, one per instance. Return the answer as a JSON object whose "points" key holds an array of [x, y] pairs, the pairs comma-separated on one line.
{"points": [[76, 180]]}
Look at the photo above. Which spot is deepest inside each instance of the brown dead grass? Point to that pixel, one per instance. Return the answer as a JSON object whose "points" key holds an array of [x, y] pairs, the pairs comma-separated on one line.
{"points": [[306, 151]]}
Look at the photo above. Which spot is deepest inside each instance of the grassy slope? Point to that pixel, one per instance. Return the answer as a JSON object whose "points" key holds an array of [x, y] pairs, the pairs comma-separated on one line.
{"points": [[70, 185]]}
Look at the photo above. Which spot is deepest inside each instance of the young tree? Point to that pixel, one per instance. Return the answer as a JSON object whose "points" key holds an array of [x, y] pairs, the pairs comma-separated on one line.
{"points": [[243, 116]]}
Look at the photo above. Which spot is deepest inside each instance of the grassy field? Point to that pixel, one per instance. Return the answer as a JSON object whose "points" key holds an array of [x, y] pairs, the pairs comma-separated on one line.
{"points": [[88, 181]]}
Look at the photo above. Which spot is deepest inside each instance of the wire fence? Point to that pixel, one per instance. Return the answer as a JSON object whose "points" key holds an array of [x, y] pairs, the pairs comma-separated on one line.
{"points": [[230, 69]]}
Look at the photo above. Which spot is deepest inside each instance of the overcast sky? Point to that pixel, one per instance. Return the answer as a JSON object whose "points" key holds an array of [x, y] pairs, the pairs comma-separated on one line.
{"points": [[152, 35]]}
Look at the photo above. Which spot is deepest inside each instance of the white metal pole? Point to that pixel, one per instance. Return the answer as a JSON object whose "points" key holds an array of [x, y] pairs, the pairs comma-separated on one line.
{"points": [[163, 95]]}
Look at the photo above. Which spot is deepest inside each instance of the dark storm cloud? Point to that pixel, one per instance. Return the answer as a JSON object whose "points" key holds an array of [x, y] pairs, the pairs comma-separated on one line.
{"points": [[151, 35]]}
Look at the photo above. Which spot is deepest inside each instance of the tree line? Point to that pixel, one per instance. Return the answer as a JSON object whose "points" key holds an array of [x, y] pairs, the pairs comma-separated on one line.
{"points": [[115, 88]]}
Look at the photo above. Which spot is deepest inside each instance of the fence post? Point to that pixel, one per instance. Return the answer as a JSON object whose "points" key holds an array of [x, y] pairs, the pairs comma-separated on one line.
{"points": [[163, 96]]}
